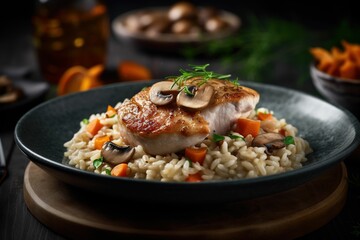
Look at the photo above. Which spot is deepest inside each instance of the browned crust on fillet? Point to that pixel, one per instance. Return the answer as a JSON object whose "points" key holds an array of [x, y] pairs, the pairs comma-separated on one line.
{"points": [[226, 91], [144, 118]]}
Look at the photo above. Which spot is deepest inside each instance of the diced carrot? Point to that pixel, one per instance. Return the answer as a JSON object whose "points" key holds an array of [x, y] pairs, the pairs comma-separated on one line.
{"points": [[110, 112], [94, 126], [99, 141], [282, 132], [196, 177], [264, 116], [119, 170], [196, 154], [246, 126]]}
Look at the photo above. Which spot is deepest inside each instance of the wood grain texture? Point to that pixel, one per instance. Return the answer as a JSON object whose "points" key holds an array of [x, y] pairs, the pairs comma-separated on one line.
{"points": [[286, 215]]}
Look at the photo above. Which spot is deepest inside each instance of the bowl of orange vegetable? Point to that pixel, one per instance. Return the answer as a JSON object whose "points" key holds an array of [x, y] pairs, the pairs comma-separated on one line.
{"points": [[336, 75]]}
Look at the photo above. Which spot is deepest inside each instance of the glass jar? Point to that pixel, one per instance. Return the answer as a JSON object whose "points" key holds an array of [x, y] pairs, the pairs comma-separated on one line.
{"points": [[69, 33]]}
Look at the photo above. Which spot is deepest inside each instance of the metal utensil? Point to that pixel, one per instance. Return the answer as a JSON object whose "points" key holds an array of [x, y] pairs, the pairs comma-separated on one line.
{"points": [[3, 168]]}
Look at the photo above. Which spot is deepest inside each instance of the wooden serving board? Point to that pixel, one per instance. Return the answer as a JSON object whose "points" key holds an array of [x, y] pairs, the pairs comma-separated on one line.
{"points": [[287, 215]]}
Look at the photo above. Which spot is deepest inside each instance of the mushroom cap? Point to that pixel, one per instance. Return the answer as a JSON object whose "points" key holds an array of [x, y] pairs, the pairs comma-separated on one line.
{"points": [[199, 100], [162, 93], [271, 141]]}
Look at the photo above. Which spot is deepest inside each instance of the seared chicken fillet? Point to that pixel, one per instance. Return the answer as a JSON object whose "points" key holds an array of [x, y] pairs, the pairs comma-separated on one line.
{"points": [[162, 129]]}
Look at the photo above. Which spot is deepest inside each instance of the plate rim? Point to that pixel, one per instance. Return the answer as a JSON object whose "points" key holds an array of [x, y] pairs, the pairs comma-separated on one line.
{"points": [[216, 183]]}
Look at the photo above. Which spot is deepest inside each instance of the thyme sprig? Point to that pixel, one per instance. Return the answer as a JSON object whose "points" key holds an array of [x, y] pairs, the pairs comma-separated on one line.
{"points": [[196, 71]]}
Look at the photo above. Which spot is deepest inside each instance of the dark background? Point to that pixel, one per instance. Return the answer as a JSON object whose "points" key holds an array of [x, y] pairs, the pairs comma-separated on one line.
{"points": [[319, 18], [316, 14]]}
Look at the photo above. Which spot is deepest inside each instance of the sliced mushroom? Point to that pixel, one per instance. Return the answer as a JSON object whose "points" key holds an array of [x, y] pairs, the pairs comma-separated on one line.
{"points": [[163, 93], [115, 154], [271, 141], [198, 99]]}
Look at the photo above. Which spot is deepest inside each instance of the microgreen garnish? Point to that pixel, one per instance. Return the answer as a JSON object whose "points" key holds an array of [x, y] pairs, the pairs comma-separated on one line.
{"points": [[233, 136], [85, 121], [289, 140], [235, 82], [97, 162], [189, 91], [190, 162], [107, 171], [197, 71], [217, 137]]}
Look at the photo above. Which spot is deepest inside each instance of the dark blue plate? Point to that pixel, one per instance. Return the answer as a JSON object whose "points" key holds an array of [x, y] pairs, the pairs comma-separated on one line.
{"points": [[333, 134]]}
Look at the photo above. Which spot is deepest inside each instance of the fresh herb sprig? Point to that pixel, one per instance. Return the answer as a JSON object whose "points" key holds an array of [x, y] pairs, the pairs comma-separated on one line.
{"points": [[197, 71]]}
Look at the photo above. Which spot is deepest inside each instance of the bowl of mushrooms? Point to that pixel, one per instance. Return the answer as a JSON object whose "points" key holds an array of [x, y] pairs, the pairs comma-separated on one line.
{"points": [[170, 29]]}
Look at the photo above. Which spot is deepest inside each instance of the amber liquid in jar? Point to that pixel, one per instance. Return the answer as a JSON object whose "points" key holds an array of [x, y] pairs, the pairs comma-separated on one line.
{"points": [[69, 33]]}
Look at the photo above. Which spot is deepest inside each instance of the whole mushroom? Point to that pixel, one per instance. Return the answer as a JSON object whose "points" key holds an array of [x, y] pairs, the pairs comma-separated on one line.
{"points": [[115, 154], [271, 141], [215, 24], [185, 26], [182, 10]]}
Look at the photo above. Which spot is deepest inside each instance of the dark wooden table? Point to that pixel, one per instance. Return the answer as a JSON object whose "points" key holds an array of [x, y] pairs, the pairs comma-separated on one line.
{"points": [[16, 51]]}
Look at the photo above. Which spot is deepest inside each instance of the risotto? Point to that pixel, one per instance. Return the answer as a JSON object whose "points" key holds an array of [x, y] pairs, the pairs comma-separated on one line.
{"points": [[230, 156]]}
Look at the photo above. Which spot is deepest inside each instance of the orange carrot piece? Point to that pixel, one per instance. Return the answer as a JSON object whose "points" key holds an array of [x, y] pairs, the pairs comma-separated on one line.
{"points": [[245, 126], [133, 71], [119, 170], [264, 116], [94, 126], [323, 57], [196, 177], [282, 132], [99, 141], [348, 70], [110, 111], [196, 154], [320, 53]]}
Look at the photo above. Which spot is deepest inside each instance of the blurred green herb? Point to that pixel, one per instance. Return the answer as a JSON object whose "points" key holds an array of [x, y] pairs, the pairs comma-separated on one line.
{"points": [[257, 46], [356, 230]]}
